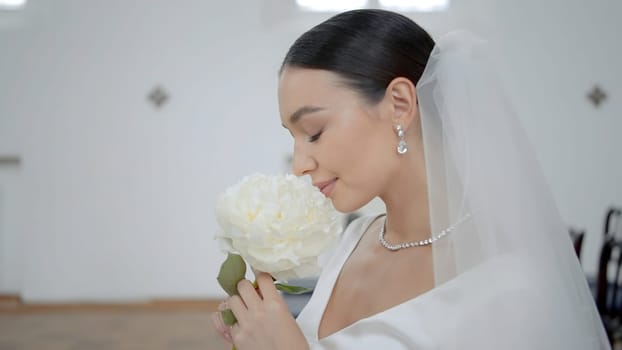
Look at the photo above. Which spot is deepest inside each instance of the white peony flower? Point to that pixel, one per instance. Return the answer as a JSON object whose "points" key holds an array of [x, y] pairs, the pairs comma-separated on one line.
{"points": [[279, 224]]}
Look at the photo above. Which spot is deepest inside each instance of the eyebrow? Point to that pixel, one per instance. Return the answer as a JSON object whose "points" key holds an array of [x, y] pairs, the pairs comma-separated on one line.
{"points": [[302, 111]]}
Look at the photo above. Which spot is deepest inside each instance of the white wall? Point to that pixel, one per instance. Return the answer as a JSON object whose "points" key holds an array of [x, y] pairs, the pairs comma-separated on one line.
{"points": [[114, 198]]}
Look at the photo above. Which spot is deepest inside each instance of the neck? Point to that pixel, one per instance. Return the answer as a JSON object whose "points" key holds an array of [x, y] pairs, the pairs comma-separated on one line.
{"points": [[406, 200]]}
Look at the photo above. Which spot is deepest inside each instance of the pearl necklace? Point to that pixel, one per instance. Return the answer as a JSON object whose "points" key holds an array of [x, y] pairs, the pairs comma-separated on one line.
{"points": [[423, 242]]}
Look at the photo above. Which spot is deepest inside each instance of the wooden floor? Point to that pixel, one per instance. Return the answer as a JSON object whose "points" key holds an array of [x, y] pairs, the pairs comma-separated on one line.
{"points": [[158, 325], [170, 325]]}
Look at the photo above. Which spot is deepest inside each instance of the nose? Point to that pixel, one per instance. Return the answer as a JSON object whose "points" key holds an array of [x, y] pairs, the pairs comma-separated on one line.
{"points": [[303, 162]]}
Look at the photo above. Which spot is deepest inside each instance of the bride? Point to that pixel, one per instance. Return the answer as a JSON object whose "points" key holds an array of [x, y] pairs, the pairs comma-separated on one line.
{"points": [[471, 253]]}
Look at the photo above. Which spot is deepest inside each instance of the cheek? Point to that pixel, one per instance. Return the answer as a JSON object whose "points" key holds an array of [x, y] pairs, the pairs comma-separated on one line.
{"points": [[363, 160], [367, 152]]}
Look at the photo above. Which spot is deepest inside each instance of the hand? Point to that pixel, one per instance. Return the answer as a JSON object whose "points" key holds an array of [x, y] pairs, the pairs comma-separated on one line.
{"points": [[223, 330], [264, 321]]}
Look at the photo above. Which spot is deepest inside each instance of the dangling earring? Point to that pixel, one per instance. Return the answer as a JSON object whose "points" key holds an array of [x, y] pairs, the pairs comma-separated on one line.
{"points": [[402, 146]]}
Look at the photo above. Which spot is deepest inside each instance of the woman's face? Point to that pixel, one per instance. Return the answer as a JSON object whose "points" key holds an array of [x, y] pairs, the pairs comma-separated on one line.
{"points": [[346, 145]]}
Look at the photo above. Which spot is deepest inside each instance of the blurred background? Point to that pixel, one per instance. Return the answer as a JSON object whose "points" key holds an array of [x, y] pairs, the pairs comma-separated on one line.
{"points": [[122, 121]]}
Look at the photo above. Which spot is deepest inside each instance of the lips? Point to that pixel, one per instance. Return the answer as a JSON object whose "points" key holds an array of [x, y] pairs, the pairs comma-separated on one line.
{"points": [[325, 186]]}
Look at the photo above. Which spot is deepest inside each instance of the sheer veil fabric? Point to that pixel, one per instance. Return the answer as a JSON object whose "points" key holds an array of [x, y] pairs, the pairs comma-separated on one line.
{"points": [[479, 162]]}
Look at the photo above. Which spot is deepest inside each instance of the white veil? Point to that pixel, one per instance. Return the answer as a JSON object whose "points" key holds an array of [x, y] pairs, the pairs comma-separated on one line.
{"points": [[523, 287]]}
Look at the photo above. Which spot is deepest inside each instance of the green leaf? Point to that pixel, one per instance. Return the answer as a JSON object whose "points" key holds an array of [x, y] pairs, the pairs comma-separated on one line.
{"points": [[228, 317], [291, 289], [232, 271]]}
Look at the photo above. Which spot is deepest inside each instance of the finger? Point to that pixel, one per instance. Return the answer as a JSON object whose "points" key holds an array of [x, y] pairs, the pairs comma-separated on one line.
{"points": [[266, 285], [239, 308], [220, 327], [248, 294], [235, 333], [219, 323], [223, 306]]}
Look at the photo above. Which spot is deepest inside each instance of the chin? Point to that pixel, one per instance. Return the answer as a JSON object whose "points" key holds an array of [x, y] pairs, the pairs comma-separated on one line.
{"points": [[349, 206]]}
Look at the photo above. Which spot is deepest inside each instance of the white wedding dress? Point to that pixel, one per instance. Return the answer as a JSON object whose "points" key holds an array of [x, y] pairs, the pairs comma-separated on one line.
{"points": [[446, 317]]}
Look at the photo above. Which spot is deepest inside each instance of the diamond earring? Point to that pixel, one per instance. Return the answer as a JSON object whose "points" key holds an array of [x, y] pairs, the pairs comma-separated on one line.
{"points": [[402, 146]]}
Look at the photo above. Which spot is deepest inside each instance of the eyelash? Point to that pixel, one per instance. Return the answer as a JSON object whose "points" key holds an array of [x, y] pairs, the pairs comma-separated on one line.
{"points": [[316, 137]]}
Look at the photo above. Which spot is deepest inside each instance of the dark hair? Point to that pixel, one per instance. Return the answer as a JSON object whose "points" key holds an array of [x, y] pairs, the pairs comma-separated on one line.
{"points": [[368, 48]]}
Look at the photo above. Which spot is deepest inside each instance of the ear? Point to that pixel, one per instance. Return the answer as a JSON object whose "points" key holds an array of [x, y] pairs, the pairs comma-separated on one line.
{"points": [[401, 96]]}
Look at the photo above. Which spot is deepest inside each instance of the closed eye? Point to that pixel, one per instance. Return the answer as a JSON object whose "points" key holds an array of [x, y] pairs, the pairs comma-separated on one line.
{"points": [[315, 137]]}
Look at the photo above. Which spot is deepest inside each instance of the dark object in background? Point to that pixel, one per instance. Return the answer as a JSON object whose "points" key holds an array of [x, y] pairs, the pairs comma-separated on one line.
{"points": [[613, 219], [608, 294], [577, 240]]}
